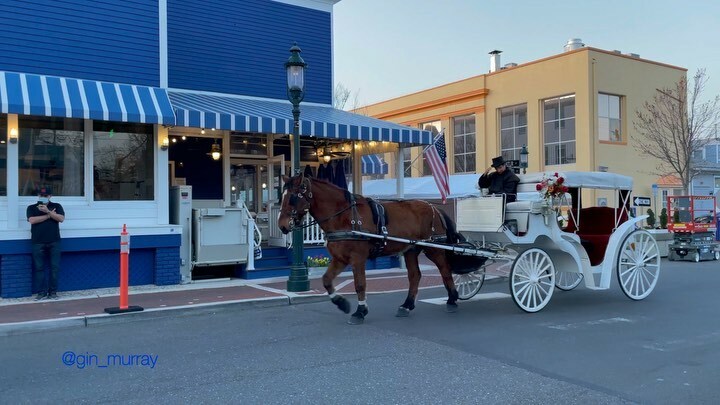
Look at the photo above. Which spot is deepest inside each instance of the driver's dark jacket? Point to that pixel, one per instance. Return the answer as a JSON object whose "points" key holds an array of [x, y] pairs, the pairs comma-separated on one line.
{"points": [[505, 183]]}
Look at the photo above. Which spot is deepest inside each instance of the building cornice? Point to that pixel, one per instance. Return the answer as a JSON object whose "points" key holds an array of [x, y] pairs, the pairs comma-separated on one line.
{"points": [[463, 97]]}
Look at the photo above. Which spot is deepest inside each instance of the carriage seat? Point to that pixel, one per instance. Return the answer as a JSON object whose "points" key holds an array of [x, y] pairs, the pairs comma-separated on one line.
{"points": [[596, 226], [520, 211]]}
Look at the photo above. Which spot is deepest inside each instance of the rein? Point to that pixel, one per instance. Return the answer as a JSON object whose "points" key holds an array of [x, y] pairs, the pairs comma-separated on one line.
{"points": [[319, 221]]}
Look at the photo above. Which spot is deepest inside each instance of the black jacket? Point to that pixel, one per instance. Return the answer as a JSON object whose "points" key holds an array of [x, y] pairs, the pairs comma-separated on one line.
{"points": [[505, 183]]}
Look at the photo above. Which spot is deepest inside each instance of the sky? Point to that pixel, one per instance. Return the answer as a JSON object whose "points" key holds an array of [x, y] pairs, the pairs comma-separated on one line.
{"points": [[388, 48]]}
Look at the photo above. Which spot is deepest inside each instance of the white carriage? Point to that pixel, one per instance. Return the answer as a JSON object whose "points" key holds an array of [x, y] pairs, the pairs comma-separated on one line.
{"points": [[594, 243]]}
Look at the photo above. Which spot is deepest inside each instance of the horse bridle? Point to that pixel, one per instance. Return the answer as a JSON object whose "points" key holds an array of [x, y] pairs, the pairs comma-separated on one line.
{"points": [[305, 193]]}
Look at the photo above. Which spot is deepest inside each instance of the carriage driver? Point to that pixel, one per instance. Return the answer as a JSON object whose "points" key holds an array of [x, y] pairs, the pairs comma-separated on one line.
{"points": [[501, 181]]}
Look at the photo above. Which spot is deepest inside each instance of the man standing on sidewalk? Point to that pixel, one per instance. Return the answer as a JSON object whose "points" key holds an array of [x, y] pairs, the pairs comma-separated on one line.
{"points": [[45, 217]]}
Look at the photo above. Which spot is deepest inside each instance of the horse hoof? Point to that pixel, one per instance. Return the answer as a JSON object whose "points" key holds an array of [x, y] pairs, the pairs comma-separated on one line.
{"points": [[451, 308], [342, 303], [402, 312], [355, 320]]}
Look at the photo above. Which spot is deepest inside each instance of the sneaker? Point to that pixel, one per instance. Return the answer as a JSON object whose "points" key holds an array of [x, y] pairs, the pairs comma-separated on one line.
{"points": [[52, 296], [40, 296]]}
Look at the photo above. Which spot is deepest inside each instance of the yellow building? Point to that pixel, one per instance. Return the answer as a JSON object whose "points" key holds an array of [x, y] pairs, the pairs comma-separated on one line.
{"points": [[574, 111]]}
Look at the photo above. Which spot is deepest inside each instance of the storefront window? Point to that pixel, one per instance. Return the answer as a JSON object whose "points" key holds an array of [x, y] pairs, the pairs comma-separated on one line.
{"points": [[3, 154], [559, 130], [51, 153], [123, 163], [513, 131], [435, 127], [464, 134]]}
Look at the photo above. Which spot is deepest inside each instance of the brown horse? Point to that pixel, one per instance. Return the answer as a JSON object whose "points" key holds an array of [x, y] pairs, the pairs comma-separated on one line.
{"points": [[338, 212]]}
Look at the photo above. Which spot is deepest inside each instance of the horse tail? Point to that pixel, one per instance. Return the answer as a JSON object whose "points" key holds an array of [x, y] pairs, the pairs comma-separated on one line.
{"points": [[453, 236]]}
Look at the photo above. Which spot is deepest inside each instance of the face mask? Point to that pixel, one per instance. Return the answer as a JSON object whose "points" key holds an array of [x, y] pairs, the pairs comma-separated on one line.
{"points": [[44, 200]]}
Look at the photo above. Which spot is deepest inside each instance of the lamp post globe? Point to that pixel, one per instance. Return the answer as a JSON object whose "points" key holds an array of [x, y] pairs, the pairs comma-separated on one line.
{"points": [[524, 158], [295, 69]]}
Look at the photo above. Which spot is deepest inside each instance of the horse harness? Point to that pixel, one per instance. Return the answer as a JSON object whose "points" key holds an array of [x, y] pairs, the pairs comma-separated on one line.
{"points": [[379, 215]]}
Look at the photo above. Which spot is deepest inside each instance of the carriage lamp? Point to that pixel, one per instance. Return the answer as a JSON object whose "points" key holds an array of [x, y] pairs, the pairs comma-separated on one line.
{"points": [[524, 158], [165, 143], [13, 135], [215, 151], [295, 68]]}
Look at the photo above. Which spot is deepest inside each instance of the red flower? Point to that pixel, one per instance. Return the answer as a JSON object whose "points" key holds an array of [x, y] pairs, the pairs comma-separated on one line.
{"points": [[565, 189], [556, 174], [560, 180], [538, 187]]}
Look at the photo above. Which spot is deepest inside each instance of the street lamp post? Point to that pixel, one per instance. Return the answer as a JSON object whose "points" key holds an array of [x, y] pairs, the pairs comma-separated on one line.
{"points": [[524, 159], [295, 68]]}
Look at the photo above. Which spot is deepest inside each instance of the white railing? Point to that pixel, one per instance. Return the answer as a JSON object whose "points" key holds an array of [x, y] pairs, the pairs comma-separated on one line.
{"points": [[311, 235]]}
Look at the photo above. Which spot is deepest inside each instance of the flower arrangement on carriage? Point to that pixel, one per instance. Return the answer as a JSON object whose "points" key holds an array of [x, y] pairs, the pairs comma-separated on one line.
{"points": [[552, 189]]}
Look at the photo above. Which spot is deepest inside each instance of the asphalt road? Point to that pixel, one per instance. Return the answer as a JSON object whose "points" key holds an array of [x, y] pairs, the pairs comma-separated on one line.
{"points": [[589, 347]]}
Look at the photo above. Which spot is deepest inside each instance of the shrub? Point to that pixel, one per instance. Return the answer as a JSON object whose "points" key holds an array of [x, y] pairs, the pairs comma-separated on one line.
{"points": [[651, 218], [663, 218]]}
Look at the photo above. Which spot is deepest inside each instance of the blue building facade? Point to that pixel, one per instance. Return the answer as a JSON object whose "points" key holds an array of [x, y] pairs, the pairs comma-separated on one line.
{"points": [[94, 95]]}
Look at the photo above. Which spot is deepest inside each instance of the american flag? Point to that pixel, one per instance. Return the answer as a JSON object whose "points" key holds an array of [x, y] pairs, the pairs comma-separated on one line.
{"points": [[436, 155]]}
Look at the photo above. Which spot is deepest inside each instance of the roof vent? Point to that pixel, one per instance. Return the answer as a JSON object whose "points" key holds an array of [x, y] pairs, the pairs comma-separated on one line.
{"points": [[573, 44], [616, 51], [634, 55], [494, 60], [509, 65]]}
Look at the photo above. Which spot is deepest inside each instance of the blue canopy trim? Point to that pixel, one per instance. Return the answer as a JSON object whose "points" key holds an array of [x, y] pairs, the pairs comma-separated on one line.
{"points": [[234, 113], [52, 96], [373, 164]]}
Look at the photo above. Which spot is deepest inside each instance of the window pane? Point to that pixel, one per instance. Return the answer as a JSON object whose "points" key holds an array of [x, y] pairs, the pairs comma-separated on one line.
{"points": [[459, 144], [506, 118], [551, 132], [521, 137], [551, 155], [52, 153], [3, 154], [551, 110], [614, 130], [614, 107], [123, 161], [458, 127], [602, 105], [603, 129], [521, 115], [567, 152], [470, 143], [459, 164], [470, 124], [567, 131], [567, 107], [506, 139], [434, 127], [507, 154], [470, 163]]}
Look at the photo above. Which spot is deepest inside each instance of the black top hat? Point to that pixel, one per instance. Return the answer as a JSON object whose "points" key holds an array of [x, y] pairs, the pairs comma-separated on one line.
{"points": [[44, 190], [498, 161]]}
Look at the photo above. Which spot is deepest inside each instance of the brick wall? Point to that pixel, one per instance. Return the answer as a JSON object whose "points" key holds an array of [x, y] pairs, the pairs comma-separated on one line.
{"points": [[167, 266], [15, 276]]}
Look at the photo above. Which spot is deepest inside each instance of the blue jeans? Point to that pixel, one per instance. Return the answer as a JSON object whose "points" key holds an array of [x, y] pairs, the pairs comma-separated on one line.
{"points": [[44, 281]]}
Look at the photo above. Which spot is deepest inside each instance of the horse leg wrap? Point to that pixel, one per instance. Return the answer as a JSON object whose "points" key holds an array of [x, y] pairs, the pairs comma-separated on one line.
{"points": [[341, 303], [359, 316], [409, 304]]}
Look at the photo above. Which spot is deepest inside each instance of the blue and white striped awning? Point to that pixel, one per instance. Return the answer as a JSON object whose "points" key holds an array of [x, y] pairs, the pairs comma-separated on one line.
{"points": [[51, 96], [373, 164], [275, 116]]}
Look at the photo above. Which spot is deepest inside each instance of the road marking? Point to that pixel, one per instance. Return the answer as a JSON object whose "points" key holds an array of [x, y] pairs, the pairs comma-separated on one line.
{"points": [[568, 326], [477, 297], [680, 344]]}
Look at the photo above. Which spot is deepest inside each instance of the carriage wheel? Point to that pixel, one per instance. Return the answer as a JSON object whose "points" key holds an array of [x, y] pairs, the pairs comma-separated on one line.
{"points": [[469, 284], [532, 280], [638, 266], [566, 281]]}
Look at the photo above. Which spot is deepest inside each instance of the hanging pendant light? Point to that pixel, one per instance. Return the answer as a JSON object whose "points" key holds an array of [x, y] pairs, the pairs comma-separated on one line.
{"points": [[215, 151]]}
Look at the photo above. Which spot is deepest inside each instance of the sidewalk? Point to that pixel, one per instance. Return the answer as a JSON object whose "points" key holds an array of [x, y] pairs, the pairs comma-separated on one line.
{"points": [[80, 308]]}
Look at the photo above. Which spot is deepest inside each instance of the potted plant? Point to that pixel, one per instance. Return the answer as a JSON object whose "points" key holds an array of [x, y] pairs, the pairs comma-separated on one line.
{"points": [[651, 218], [317, 264], [663, 218]]}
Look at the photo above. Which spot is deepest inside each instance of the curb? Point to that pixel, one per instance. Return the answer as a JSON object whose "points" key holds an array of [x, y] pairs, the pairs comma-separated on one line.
{"points": [[19, 328]]}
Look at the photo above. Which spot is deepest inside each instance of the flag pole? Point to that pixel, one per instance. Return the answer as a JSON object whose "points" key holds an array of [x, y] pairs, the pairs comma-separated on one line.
{"points": [[442, 133]]}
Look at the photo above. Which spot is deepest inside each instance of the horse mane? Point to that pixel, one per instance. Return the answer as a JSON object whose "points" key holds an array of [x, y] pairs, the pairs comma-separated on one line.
{"points": [[347, 193]]}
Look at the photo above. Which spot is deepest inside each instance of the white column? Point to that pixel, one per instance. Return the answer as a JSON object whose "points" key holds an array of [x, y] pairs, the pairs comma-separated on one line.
{"points": [[163, 43], [12, 175], [162, 183], [400, 170], [226, 167]]}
